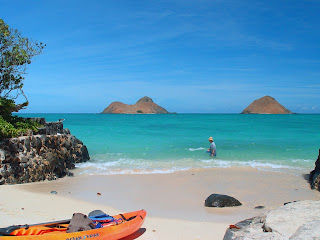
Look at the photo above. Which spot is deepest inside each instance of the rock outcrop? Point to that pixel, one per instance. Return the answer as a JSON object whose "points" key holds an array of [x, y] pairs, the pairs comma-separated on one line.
{"points": [[315, 175], [145, 105], [39, 157], [266, 105], [297, 220]]}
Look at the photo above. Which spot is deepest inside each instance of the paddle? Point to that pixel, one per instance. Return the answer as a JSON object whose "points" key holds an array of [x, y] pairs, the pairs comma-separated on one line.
{"points": [[6, 231]]}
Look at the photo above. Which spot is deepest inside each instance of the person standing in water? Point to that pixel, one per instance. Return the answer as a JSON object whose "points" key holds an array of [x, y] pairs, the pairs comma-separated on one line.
{"points": [[212, 150]]}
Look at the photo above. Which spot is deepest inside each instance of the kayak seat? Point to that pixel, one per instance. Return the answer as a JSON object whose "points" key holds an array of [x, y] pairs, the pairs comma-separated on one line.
{"points": [[102, 218]]}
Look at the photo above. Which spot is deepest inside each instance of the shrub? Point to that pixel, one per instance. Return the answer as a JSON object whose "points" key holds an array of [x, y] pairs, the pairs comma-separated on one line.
{"points": [[14, 126]]}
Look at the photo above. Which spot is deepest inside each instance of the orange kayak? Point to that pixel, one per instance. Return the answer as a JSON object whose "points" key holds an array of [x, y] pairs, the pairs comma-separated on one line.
{"points": [[131, 222]]}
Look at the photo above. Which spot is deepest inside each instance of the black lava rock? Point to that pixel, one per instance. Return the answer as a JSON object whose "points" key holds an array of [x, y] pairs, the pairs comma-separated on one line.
{"points": [[219, 200]]}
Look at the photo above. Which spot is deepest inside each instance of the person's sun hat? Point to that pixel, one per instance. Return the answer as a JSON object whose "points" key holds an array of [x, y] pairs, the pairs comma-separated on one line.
{"points": [[211, 138]]}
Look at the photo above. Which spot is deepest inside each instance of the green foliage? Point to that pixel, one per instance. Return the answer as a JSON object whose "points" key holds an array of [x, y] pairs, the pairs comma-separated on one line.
{"points": [[139, 111], [5, 107], [15, 126], [16, 52], [7, 129]]}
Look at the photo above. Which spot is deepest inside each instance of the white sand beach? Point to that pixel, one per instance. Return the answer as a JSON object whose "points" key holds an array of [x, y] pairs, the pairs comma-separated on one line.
{"points": [[174, 202]]}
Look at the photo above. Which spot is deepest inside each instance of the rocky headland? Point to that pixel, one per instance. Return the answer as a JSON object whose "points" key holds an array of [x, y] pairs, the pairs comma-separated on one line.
{"points": [[266, 105], [145, 106], [46, 155], [315, 175]]}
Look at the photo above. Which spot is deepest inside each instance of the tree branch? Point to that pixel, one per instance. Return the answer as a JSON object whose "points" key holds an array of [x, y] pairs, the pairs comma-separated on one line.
{"points": [[18, 107]]}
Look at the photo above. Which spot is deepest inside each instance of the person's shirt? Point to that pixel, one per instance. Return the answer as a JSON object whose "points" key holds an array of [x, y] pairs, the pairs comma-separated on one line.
{"points": [[213, 147]]}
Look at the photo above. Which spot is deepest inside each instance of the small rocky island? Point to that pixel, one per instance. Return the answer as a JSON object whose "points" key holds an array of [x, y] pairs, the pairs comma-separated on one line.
{"points": [[145, 106], [266, 105], [37, 156]]}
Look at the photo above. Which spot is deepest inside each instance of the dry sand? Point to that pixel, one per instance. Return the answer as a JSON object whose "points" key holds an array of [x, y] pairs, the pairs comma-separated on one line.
{"points": [[174, 202]]}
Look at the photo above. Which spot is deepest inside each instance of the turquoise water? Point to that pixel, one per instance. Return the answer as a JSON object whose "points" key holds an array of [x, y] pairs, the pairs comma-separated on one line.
{"points": [[175, 142]]}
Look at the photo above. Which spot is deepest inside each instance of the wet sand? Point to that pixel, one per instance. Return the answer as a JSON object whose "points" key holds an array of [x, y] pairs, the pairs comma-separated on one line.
{"points": [[174, 202]]}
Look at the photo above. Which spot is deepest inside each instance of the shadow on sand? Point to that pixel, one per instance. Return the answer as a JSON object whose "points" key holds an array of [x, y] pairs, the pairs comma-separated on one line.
{"points": [[135, 234], [306, 177]]}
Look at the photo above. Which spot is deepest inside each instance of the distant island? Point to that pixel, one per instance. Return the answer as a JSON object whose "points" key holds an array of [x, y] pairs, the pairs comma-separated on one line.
{"points": [[144, 106], [266, 105]]}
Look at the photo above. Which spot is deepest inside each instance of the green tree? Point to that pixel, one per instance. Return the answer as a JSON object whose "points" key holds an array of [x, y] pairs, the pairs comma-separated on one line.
{"points": [[16, 53]]}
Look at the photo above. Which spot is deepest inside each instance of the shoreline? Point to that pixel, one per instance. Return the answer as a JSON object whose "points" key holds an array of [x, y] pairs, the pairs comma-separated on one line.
{"points": [[99, 168], [174, 201]]}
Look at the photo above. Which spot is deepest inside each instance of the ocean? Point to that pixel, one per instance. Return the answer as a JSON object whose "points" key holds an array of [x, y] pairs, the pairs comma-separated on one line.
{"points": [[165, 143]]}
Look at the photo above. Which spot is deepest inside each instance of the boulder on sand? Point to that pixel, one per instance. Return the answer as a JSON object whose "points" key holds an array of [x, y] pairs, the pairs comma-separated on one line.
{"points": [[294, 221], [219, 200]]}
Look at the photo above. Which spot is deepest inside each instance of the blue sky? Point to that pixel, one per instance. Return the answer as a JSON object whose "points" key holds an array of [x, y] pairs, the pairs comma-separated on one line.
{"points": [[200, 56]]}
